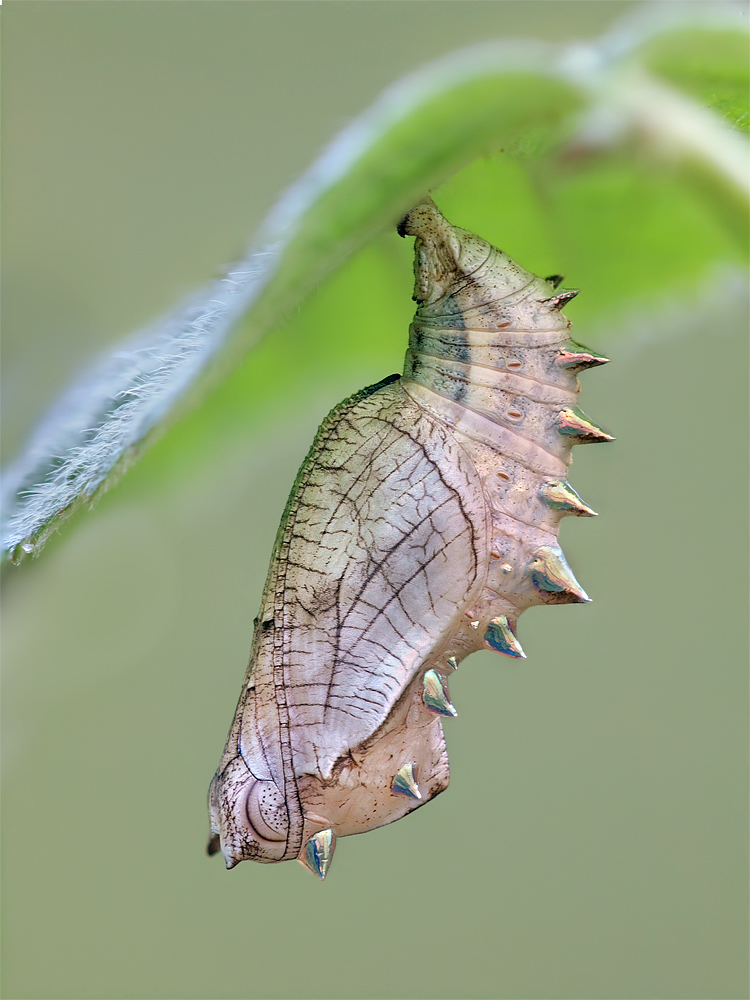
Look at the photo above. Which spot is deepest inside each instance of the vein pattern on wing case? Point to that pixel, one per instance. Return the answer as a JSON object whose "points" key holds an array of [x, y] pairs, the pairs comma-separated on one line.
{"points": [[422, 523]]}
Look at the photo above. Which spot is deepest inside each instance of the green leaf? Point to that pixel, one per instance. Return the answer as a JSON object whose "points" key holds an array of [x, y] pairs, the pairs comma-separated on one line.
{"points": [[576, 177], [629, 239], [711, 66]]}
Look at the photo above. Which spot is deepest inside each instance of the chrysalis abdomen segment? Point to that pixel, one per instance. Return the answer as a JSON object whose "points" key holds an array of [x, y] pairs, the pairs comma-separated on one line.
{"points": [[490, 357]]}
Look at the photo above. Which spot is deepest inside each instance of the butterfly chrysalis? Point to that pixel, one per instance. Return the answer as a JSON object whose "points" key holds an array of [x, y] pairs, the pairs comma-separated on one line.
{"points": [[422, 523]]}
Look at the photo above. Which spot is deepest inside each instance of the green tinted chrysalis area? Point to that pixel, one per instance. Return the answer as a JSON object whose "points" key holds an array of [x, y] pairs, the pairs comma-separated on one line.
{"points": [[422, 523]]}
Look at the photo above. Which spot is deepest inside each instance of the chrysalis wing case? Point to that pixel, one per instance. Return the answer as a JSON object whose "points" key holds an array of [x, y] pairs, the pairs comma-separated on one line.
{"points": [[421, 524]]}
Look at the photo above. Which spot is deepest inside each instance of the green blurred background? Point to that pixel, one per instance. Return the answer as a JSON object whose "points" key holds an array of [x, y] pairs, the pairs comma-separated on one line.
{"points": [[593, 842]]}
